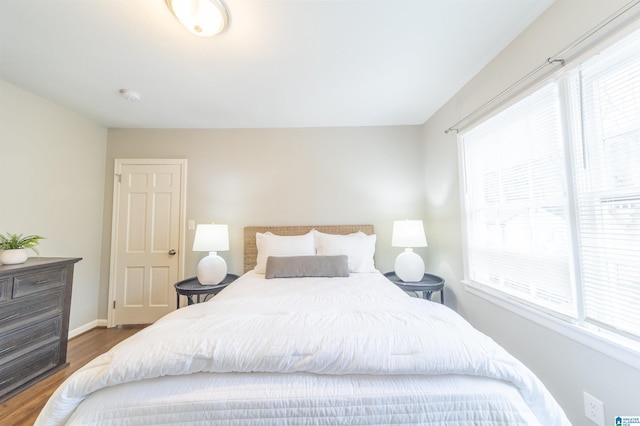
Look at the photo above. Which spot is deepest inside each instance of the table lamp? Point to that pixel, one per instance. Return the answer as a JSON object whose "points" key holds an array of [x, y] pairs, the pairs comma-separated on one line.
{"points": [[409, 266], [212, 269]]}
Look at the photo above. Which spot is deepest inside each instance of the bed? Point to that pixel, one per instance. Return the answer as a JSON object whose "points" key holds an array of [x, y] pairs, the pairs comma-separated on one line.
{"points": [[297, 340]]}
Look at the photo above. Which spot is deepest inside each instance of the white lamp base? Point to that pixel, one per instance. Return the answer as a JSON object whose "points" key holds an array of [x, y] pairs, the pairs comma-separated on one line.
{"points": [[409, 266], [211, 269]]}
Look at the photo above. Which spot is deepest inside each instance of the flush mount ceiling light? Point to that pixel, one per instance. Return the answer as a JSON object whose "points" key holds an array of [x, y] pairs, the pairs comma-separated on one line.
{"points": [[203, 18]]}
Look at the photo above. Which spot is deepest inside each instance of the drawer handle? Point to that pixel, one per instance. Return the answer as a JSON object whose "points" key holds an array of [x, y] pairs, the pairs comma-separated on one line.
{"points": [[43, 282], [8, 349], [10, 317]]}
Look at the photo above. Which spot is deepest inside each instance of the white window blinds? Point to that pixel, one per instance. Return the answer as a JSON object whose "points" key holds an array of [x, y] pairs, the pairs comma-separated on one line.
{"points": [[552, 195], [605, 100], [516, 203]]}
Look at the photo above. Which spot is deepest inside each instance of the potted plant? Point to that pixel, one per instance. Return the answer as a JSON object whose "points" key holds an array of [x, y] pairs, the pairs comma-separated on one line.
{"points": [[13, 247]]}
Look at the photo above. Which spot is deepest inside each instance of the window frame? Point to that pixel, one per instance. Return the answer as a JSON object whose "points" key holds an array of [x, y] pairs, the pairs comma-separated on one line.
{"points": [[578, 329]]}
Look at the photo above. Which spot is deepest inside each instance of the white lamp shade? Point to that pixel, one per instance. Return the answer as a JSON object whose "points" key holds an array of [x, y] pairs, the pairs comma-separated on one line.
{"points": [[408, 233], [212, 269], [210, 237], [203, 18]]}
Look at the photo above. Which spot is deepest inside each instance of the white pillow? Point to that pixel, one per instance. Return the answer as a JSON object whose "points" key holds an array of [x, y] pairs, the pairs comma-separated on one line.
{"points": [[358, 247], [269, 244], [318, 236]]}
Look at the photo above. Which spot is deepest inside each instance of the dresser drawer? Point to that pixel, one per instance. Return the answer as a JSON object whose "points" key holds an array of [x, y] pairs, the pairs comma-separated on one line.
{"points": [[18, 342], [38, 281], [18, 372], [32, 309], [5, 291]]}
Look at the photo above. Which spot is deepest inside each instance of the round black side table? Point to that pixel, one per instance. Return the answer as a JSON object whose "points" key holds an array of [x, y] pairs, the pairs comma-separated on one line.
{"points": [[427, 285], [191, 287]]}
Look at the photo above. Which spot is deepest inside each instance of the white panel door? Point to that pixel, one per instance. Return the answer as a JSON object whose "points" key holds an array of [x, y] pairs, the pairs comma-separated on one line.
{"points": [[147, 239]]}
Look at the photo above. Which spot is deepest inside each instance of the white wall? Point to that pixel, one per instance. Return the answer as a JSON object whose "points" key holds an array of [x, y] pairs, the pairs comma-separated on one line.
{"points": [[311, 176], [51, 184], [565, 366]]}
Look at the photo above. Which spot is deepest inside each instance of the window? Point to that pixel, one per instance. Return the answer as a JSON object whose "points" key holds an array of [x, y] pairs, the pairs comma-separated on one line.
{"points": [[552, 196]]}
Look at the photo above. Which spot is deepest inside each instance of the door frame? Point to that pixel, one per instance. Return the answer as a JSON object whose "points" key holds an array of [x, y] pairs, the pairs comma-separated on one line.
{"points": [[117, 172]]}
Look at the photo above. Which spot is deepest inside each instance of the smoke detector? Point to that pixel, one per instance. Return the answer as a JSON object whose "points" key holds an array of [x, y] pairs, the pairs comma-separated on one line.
{"points": [[130, 95]]}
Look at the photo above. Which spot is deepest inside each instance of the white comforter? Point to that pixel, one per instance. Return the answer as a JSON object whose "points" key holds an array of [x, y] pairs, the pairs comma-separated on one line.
{"points": [[361, 325]]}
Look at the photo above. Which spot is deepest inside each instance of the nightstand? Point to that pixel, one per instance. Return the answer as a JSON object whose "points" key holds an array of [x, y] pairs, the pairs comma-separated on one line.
{"points": [[192, 287], [427, 285]]}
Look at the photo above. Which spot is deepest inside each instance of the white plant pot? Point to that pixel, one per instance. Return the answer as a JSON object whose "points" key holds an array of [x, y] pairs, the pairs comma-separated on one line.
{"points": [[13, 257]]}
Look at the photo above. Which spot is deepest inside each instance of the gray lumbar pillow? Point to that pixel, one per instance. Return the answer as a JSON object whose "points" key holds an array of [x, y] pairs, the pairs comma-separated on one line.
{"points": [[307, 266]]}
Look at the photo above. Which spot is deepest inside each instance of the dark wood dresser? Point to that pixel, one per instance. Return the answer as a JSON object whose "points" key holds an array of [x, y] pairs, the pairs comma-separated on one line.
{"points": [[35, 298]]}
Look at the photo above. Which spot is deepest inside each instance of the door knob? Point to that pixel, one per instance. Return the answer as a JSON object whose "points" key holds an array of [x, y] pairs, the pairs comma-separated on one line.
{"points": [[172, 252]]}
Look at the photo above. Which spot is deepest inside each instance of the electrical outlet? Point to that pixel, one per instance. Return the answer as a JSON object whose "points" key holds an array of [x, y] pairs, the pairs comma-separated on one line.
{"points": [[594, 409], [192, 225]]}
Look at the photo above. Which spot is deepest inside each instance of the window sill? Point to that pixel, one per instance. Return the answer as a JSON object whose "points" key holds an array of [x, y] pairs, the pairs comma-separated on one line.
{"points": [[623, 350]]}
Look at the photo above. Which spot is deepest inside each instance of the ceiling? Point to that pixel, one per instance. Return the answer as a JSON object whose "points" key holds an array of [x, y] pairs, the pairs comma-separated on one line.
{"points": [[281, 63]]}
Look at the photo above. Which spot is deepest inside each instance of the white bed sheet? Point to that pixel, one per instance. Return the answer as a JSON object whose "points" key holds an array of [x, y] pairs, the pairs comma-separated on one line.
{"points": [[355, 350], [306, 399]]}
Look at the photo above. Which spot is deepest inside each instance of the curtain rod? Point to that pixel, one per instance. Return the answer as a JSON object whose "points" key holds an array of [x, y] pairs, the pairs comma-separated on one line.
{"points": [[558, 58]]}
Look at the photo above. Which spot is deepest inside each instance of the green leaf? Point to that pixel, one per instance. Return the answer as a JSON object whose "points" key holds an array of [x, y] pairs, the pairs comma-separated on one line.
{"points": [[11, 241]]}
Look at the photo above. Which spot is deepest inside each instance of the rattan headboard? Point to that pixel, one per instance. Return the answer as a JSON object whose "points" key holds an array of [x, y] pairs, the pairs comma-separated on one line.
{"points": [[251, 251]]}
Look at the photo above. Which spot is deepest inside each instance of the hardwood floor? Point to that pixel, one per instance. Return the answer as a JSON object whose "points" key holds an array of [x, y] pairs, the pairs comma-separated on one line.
{"points": [[23, 409]]}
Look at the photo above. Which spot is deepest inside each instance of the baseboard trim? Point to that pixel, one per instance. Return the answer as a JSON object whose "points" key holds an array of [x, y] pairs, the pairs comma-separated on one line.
{"points": [[88, 326]]}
